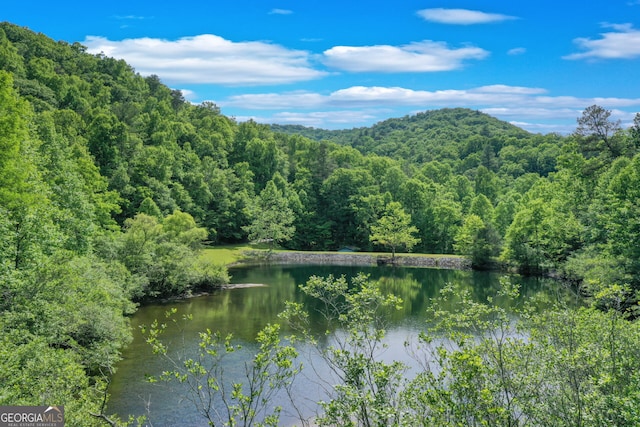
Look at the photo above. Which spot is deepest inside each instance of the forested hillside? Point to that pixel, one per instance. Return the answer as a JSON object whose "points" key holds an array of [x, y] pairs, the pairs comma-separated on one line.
{"points": [[110, 182], [446, 134]]}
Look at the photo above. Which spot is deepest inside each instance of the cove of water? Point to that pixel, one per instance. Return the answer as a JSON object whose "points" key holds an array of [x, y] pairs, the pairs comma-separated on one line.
{"points": [[245, 311]]}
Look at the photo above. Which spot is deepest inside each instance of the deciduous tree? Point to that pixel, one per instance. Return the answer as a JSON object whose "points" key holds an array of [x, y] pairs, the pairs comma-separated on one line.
{"points": [[394, 229], [272, 217]]}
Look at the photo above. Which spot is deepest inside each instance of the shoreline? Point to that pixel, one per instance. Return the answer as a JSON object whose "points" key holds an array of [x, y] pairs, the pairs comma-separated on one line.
{"points": [[449, 262]]}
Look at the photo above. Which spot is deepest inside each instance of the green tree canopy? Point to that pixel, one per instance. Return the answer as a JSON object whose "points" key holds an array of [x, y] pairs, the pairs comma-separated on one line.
{"points": [[272, 217], [394, 229]]}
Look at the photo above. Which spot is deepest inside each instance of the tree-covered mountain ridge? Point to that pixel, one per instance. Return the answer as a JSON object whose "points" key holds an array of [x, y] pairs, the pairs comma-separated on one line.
{"points": [[457, 136], [412, 134]]}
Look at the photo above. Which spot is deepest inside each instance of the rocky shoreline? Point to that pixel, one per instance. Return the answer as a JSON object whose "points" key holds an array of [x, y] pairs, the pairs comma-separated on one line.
{"points": [[429, 261]]}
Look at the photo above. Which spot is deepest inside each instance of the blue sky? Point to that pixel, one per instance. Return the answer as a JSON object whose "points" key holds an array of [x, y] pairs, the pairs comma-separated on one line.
{"points": [[343, 64]]}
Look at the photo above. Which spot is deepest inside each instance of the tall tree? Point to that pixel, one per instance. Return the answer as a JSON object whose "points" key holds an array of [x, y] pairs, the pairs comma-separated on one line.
{"points": [[394, 229], [477, 239], [634, 133], [272, 217], [341, 196], [13, 135], [596, 127]]}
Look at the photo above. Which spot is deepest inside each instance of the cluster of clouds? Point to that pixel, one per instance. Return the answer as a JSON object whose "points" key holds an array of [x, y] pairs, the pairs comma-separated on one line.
{"points": [[370, 96], [211, 59], [546, 113]]}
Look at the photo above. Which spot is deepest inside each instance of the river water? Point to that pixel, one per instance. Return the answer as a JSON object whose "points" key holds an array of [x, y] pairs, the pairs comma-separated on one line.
{"points": [[245, 311]]}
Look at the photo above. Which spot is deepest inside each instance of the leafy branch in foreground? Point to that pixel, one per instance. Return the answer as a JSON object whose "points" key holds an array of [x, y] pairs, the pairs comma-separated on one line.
{"points": [[366, 390], [485, 365], [222, 400]]}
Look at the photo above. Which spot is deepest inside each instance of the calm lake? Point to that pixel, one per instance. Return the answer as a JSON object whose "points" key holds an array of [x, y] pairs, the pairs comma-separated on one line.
{"points": [[243, 312]]}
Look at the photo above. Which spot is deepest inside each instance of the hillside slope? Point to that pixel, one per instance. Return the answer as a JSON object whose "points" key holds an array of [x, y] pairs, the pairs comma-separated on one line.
{"points": [[430, 135]]}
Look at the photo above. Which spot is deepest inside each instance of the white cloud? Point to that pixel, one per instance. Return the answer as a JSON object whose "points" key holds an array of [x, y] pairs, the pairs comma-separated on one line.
{"points": [[536, 113], [280, 12], [462, 16], [374, 95], [522, 90], [208, 58], [509, 98], [397, 96], [484, 95], [621, 43], [332, 119], [425, 56], [517, 51], [276, 101], [561, 120], [188, 94], [562, 128]]}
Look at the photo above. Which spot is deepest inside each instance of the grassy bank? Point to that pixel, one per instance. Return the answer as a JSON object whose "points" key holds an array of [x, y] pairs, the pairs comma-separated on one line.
{"points": [[225, 255]]}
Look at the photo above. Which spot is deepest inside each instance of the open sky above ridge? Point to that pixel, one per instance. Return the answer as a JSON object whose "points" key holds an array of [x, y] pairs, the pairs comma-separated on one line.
{"points": [[343, 64]]}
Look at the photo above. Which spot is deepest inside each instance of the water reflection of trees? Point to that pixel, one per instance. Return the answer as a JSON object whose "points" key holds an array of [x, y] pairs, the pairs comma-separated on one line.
{"points": [[245, 311]]}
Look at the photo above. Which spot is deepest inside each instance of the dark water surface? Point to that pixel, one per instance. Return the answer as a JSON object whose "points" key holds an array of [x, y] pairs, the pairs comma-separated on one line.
{"points": [[243, 312]]}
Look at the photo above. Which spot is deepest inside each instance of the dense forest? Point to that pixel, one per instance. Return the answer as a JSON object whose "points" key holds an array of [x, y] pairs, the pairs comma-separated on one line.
{"points": [[110, 182]]}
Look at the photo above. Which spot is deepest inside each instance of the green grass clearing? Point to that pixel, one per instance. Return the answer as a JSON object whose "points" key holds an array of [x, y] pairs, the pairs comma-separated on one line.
{"points": [[224, 255]]}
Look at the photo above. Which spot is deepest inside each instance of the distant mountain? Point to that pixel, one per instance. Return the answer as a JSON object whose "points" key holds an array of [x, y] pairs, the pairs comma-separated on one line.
{"points": [[436, 134]]}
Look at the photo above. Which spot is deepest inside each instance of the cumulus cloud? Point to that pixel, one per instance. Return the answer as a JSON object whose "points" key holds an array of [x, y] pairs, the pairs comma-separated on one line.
{"points": [[208, 58], [425, 56], [621, 43], [461, 16]]}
